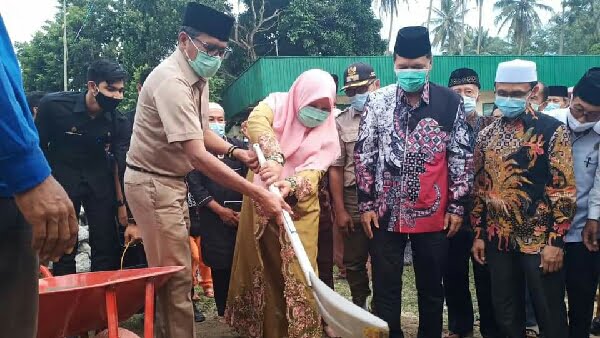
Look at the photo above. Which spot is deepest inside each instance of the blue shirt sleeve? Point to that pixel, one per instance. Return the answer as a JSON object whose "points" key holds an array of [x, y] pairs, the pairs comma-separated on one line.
{"points": [[22, 163]]}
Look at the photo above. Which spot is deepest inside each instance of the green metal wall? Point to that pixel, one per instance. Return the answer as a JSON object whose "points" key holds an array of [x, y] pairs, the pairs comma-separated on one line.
{"points": [[272, 74]]}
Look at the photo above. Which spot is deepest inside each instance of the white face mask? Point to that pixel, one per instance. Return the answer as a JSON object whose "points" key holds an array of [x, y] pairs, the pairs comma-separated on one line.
{"points": [[470, 103], [577, 126]]}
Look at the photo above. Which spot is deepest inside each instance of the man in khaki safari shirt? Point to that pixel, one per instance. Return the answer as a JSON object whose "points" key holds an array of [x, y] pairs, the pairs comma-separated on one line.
{"points": [[168, 141]]}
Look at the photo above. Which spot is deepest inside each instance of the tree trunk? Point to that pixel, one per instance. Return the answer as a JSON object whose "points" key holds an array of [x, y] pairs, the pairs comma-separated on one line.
{"points": [[429, 13], [480, 27], [462, 27], [521, 45], [390, 32], [562, 31]]}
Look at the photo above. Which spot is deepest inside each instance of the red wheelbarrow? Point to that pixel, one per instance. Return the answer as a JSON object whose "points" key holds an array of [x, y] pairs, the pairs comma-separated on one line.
{"points": [[74, 304]]}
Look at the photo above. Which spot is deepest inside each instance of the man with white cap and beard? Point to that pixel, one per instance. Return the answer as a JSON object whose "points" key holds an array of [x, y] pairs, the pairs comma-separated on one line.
{"points": [[524, 195], [582, 261]]}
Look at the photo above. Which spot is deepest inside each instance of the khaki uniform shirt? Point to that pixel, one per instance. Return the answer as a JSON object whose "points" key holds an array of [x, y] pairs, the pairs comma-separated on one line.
{"points": [[172, 108], [347, 124]]}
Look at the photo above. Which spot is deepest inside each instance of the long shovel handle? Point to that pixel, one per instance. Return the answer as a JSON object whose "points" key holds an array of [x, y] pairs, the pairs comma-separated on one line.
{"points": [[288, 224]]}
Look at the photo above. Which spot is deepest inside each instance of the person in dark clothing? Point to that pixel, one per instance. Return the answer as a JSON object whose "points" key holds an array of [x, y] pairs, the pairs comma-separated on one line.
{"points": [[33, 101], [465, 82], [214, 213], [75, 131], [135, 257]]}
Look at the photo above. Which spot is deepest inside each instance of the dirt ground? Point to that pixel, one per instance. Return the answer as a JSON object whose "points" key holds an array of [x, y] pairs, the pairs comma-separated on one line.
{"points": [[214, 328]]}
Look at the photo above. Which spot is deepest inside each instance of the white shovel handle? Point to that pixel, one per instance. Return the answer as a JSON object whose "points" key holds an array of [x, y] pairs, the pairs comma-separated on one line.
{"points": [[288, 224]]}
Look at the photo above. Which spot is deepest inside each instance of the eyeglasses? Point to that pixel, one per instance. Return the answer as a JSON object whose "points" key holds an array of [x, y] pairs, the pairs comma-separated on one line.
{"points": [[211, 49], [351, 92], [590, 115]]}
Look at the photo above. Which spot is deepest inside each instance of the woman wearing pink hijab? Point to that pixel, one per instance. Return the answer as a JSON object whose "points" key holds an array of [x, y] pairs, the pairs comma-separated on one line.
{"points": [[268, 294]]}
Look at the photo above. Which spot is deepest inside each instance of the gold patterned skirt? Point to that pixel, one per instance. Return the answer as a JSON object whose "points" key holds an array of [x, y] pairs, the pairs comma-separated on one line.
{"points": [[268, 294]]}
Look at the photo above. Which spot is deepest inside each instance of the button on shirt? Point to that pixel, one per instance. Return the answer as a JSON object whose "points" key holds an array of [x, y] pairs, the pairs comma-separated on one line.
{"points": [[347, 124], [170, 107], [585, 163], [74, 142]]}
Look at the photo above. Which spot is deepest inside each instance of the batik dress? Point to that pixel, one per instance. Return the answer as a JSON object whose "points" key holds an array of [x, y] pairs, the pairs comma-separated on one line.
{"points": [[268, 294]]}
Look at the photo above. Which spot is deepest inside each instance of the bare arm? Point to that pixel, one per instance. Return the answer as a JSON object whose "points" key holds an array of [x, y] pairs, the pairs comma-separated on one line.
{"points": [[216, 170], [336, 186], [214, 143]]}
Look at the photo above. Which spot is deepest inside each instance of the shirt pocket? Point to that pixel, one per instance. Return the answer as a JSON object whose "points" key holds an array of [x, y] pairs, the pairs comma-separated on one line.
{"points": [[349, 135], [591, 162]]}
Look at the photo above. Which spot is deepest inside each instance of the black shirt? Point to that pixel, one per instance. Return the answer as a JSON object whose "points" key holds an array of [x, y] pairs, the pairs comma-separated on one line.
{"points": [[218, 239], [123, 132], [75, 144]]}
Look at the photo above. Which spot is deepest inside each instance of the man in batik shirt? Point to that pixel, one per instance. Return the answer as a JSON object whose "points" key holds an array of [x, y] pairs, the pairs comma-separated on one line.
{"points": [[414, 170], [524, 202], [465, 82]]}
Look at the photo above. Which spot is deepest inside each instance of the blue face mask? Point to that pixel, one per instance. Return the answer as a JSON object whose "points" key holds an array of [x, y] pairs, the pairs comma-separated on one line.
{"points": [[358, 101], [312, 117], [218, 128], [535, 106], [411, 80], [552, 106], [470, 103], [511, 107]]}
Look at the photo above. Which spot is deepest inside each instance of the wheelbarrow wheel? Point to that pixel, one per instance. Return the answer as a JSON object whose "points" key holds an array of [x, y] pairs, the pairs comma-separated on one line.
{"points": [[123, 333]]}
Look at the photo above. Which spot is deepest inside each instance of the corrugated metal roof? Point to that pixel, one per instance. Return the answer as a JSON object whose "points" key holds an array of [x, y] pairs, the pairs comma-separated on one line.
{"points": [[273, 74]]}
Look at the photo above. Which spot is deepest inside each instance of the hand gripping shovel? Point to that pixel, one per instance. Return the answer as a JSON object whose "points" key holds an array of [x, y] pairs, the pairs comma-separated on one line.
{"points": [[344, 317]]}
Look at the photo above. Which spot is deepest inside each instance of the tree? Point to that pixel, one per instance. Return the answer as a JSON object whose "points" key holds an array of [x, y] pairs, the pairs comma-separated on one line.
{"points": [[429, 10], [479, 25], [136, 33], [576, 31], [330, 27], [487, 45], [521, 17], [245, 34], [447, 31], [389, 7]]}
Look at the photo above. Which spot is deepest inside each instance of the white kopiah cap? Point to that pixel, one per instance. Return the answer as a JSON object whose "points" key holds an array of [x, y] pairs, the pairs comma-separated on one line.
{"points": [[516, 71], [215, 106]]}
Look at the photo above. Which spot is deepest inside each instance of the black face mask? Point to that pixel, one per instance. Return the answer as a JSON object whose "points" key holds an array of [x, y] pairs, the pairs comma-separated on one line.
{"points": [[108, 104]]}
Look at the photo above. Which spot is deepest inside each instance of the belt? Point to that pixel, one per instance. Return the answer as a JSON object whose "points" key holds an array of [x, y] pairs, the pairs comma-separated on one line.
{"points": [[142, 170]]}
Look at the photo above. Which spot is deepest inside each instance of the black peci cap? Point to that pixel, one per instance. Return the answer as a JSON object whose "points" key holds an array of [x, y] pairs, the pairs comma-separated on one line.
{"points": [[560, 91], [208, 20], [464, 76], [588, 88], [412, 42]]}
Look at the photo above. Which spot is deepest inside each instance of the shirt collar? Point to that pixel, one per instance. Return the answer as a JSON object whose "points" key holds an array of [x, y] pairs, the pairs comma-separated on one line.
{"points": [[188, 73], [424, 94], [80, 106]]}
